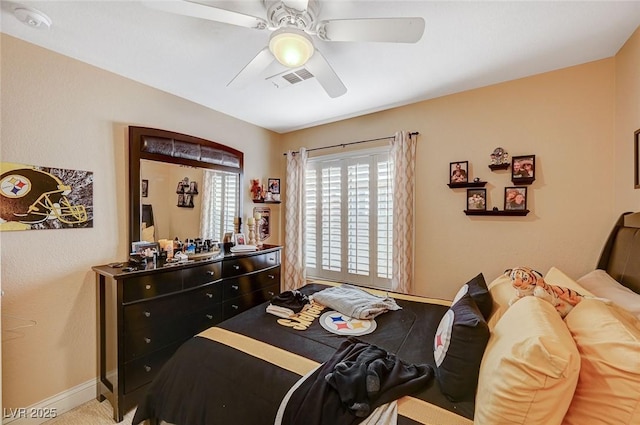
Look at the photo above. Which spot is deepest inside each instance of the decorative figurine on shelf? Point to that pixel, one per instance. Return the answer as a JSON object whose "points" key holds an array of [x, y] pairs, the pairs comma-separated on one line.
{"points": [[499, 156], [256, 189]]}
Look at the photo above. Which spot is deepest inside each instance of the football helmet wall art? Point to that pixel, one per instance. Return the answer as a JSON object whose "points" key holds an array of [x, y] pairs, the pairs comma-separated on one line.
{"points": [[31, 196]]}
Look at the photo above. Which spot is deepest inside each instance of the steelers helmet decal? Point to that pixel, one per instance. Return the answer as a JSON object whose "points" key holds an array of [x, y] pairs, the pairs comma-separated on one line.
{"points": [[32, 196], [15, 185]]}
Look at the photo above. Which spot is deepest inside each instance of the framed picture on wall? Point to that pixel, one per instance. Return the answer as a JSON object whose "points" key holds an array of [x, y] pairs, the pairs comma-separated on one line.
{"points": [[523, 167], [145, 188], [636, 156], [515, 198], [273, 186], [262, 216], [477, 199], [459, 172]]}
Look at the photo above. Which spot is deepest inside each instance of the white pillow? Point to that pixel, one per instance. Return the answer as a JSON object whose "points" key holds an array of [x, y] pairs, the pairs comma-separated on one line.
{"points": [[600, 284], [556, 276]]}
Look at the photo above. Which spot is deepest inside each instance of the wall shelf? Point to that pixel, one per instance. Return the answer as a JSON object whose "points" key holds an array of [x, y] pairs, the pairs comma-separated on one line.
{"points": [[468, 184], [262, 201], [504, 166], [523, 181], [517, 213]]}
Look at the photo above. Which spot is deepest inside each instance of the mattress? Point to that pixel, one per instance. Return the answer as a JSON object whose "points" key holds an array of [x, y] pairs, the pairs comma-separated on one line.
{"points": [[239, 371]]}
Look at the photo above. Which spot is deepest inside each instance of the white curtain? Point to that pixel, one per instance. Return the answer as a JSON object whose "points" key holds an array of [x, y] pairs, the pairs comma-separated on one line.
{"points": [[403, 154], [294, 234], [208, 228]]}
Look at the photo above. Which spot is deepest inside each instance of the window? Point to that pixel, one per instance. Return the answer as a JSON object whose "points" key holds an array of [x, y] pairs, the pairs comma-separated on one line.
{"points": [[220, 195], [349, 218]]}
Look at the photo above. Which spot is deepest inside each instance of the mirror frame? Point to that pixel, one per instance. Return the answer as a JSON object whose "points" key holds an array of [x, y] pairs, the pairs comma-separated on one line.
{"points": [[139, 149]]}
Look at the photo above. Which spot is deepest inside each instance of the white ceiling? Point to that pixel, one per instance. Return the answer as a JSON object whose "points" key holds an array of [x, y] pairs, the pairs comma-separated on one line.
{"points": [[465, 45]]}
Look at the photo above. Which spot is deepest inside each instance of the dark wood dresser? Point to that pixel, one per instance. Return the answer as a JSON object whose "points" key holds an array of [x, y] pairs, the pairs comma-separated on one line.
{"points": [[145, 315]]}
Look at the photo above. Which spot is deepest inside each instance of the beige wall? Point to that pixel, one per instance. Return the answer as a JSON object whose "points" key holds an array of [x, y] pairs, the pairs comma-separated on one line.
{"points": [[565, 118], [626, 123], [59, 112]]}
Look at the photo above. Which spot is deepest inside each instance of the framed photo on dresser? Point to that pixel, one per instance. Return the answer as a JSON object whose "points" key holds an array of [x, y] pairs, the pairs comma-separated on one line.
{"points": [[239, 239]]}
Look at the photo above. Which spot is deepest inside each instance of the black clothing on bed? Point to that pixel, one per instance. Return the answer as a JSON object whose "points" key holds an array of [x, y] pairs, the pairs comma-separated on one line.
{"points": [[293, 300], [357, 379]]}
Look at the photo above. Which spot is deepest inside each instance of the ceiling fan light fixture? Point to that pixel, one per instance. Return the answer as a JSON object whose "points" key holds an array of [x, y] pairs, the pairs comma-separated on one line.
{"points": [[291, 47]]}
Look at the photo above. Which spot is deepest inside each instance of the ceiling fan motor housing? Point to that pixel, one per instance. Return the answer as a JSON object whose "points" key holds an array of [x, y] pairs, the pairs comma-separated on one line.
{"points": [[279, 15]]}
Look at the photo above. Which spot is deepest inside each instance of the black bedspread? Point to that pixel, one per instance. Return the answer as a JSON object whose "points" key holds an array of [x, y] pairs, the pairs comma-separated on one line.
{"points": [[209, 383]]}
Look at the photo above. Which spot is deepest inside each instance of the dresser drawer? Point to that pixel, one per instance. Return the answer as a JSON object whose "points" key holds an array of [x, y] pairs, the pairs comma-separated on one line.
{"points": [[205, 297], [239, 286], [237, 305], [140, 342], [141, 371], [204, 319], [145, 313], [238, 266], [152, 285], [199, 275]]}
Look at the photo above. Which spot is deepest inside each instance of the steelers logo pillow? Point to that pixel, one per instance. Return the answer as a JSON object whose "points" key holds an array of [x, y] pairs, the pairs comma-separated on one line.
{"points": [[458, 346]]}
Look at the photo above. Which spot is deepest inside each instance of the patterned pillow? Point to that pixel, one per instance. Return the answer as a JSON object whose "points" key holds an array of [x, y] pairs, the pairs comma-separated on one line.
{"points": [[459, 344]]}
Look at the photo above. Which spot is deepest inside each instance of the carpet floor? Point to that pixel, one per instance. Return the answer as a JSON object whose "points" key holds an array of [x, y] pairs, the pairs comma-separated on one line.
{"points": [[91, 413]]}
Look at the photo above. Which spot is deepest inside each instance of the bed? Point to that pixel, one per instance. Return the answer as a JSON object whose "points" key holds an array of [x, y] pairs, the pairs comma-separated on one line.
{"points": [[584, 368]]}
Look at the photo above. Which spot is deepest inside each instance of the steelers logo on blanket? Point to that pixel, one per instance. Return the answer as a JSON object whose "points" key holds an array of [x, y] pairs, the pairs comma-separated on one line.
{"points": [[340, 324], [443, 337]]}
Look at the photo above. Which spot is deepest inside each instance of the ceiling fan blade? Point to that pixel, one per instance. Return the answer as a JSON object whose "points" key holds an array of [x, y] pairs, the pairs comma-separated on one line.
{"points": [[394, 30], [297, 4], [263, 59], [197, 10], [325, 75]]}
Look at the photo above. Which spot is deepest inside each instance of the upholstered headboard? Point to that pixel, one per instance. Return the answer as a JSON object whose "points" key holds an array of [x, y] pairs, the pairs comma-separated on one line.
{"points": [[620, 257]]}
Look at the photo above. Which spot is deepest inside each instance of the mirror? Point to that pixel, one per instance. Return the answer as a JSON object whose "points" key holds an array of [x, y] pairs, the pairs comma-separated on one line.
{"points": [[174, 178]]}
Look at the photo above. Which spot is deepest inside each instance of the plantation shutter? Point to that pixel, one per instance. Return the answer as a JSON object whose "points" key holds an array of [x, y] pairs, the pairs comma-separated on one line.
{"points": [[349, 218]]}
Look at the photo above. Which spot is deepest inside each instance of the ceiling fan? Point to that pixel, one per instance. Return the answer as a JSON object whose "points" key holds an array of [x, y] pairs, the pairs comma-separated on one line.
{"points": [[292, 23]]}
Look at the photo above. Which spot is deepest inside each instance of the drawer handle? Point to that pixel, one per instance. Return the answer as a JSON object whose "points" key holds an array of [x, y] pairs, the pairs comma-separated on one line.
{"points": [[211, 273], [147, 287], [209, 316], [147, 314], [272, 259], [271, 276], [273, 294], [209, 295], [147, 340], [237, 267], [235, 307], [235, 287], [147, 368]]}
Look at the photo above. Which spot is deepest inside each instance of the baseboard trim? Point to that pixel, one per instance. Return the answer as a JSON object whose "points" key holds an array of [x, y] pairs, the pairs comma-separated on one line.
{"points": [[59, 403]]}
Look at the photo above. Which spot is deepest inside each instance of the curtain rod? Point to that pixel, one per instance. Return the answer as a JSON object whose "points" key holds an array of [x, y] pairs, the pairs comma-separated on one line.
{"points": [[415, 133]]}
